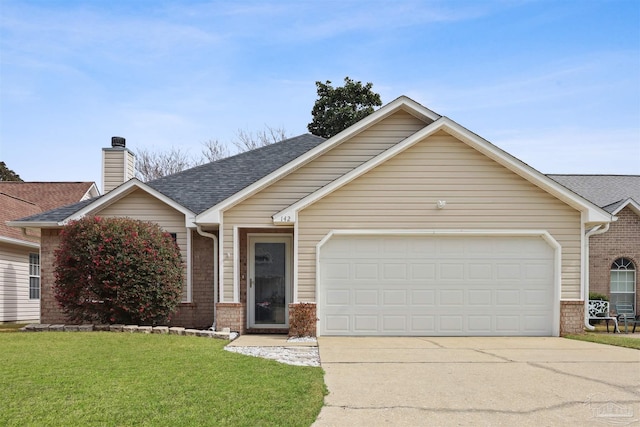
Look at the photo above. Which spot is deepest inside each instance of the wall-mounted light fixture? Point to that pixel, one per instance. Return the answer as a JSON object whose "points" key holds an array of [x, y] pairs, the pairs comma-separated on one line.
{"points": [[440, 204]]}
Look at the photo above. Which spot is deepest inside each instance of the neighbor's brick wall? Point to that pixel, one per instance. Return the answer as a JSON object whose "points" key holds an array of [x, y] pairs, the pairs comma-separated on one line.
{"points": [[571, 317], [199, 313], [231, 315], [622, 240], [50, 312]]}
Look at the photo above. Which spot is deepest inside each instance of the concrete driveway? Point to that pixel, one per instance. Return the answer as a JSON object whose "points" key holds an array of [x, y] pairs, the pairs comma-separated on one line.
{"points": [[478, 382]]}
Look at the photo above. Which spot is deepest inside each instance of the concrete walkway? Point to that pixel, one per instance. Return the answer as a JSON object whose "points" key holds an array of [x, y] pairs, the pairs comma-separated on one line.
{"points": [[478, 382]]}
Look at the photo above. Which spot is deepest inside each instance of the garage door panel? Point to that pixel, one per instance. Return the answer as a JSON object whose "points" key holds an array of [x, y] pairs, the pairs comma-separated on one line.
{"points": [[421, 297], [480, 297], [480, 324], [366, 323], [365, 271], [423, 271], [337, 324], [451, 297], [480, 271], [338, 297], [436, 286], [394, 298], [394, 271], [394, 324], [363, 298], [451, 271]]}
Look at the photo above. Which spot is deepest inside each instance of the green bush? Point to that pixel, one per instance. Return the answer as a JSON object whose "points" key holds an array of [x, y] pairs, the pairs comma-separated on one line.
{"points": [[117, 270], [597, 296]]}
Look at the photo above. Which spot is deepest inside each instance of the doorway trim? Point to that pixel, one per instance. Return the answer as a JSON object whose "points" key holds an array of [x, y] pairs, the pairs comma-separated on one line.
{"points": [[253, 238]]}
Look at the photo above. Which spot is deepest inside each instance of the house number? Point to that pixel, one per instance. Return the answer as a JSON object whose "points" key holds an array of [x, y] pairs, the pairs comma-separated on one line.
{"points": [[285, 218]]}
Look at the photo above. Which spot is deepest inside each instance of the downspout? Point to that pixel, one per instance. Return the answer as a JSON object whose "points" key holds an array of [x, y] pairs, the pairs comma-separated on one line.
{"points": [[594, 231], [215, 271]]}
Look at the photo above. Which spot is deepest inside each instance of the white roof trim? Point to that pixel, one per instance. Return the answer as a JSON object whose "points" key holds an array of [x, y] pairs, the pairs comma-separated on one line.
{"points": [[109, 198], [592, 213], [91, 192], [213, 214], [631, 204], [126, 188], [19, 242], [290, 214]]}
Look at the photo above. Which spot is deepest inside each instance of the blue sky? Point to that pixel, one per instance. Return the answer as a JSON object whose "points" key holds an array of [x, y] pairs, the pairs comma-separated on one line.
{"points": [[555, 83]]}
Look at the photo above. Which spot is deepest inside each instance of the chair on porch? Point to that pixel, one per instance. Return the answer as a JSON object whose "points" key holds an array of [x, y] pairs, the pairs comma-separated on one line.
{"points": [[627, 314], [599, 310]]}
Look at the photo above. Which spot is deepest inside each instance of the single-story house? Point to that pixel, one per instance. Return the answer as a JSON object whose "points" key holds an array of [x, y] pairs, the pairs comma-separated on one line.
{"points": [[20, 252], [406, 223], [614, 256]]}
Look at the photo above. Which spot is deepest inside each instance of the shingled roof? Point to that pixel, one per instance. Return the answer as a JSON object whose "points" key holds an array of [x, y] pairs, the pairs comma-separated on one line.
{"points": [[12, 208], [605, 191], [47, 195], [202, 187]]}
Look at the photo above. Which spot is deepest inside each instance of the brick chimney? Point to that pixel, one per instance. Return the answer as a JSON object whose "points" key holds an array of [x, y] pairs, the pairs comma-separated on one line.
{"points": [[118, 164]]}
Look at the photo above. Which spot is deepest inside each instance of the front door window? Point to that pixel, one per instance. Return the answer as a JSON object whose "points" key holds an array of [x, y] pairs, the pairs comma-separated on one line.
{"points": [[269, 281]]}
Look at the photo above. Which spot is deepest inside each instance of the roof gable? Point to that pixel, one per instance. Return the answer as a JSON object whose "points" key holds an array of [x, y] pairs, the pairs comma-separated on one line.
{"points": [[213, 214], [591, 213]]}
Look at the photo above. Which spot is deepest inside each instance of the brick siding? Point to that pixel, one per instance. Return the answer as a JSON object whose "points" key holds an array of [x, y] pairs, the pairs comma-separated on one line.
{"points": [[571, 317], [621, 241], [302, 319], [50, 312], [231, 315], [199, 313]]}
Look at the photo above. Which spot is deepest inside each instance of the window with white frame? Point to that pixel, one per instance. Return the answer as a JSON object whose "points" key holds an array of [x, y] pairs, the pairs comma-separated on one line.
{"points": [[34, 276], [623, 282]]}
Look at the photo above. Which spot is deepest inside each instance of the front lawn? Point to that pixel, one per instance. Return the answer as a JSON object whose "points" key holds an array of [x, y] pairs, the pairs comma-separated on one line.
{"points": [[122, 379], [620, 340]]}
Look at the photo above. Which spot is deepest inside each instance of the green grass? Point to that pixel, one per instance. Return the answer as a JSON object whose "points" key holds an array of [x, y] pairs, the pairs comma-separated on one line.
{"points": [[121, 379], [620, 340]]}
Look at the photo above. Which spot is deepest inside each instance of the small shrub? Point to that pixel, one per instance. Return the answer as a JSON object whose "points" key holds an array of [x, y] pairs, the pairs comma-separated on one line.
{"points": [[597, 296], [302, 320], [117, 270]]}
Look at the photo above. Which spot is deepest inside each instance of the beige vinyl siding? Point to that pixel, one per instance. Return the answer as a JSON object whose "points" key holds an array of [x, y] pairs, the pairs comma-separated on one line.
{"points": [[118, 167], [142, 206], [258, 209], [15, 304], [402, 194]]}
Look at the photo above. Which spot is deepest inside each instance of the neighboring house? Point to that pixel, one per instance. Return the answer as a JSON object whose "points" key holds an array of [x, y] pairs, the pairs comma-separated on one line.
{"points": [[614, 256], [406, 223], [20, 249]]}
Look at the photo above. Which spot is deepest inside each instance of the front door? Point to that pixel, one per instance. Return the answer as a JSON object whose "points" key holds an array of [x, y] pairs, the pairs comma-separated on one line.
{"points": [[270, 284]]}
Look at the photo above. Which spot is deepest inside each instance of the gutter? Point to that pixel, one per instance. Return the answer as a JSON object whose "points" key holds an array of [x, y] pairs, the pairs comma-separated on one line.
{"points": [[215, 271], [593, 232]]}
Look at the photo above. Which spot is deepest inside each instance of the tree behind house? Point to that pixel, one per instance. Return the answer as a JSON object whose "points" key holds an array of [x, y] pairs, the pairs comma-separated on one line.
{"points": [[152, 165], [338, 108], [7, 174]]}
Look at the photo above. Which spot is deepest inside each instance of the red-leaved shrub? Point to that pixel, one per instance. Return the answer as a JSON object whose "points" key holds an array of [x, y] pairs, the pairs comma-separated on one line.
{"points": [[117, 270]]}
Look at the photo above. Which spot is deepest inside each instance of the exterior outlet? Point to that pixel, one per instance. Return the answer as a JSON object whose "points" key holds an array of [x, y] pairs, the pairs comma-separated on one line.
{"points": [[118, 164]]}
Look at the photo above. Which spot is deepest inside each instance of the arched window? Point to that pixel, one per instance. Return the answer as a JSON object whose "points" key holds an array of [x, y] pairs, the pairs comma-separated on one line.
{"points": [[623, 282]]}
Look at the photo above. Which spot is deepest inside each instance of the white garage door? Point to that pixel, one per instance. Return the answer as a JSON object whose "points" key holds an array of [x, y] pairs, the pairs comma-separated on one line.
{"points": [[436, 285]]}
